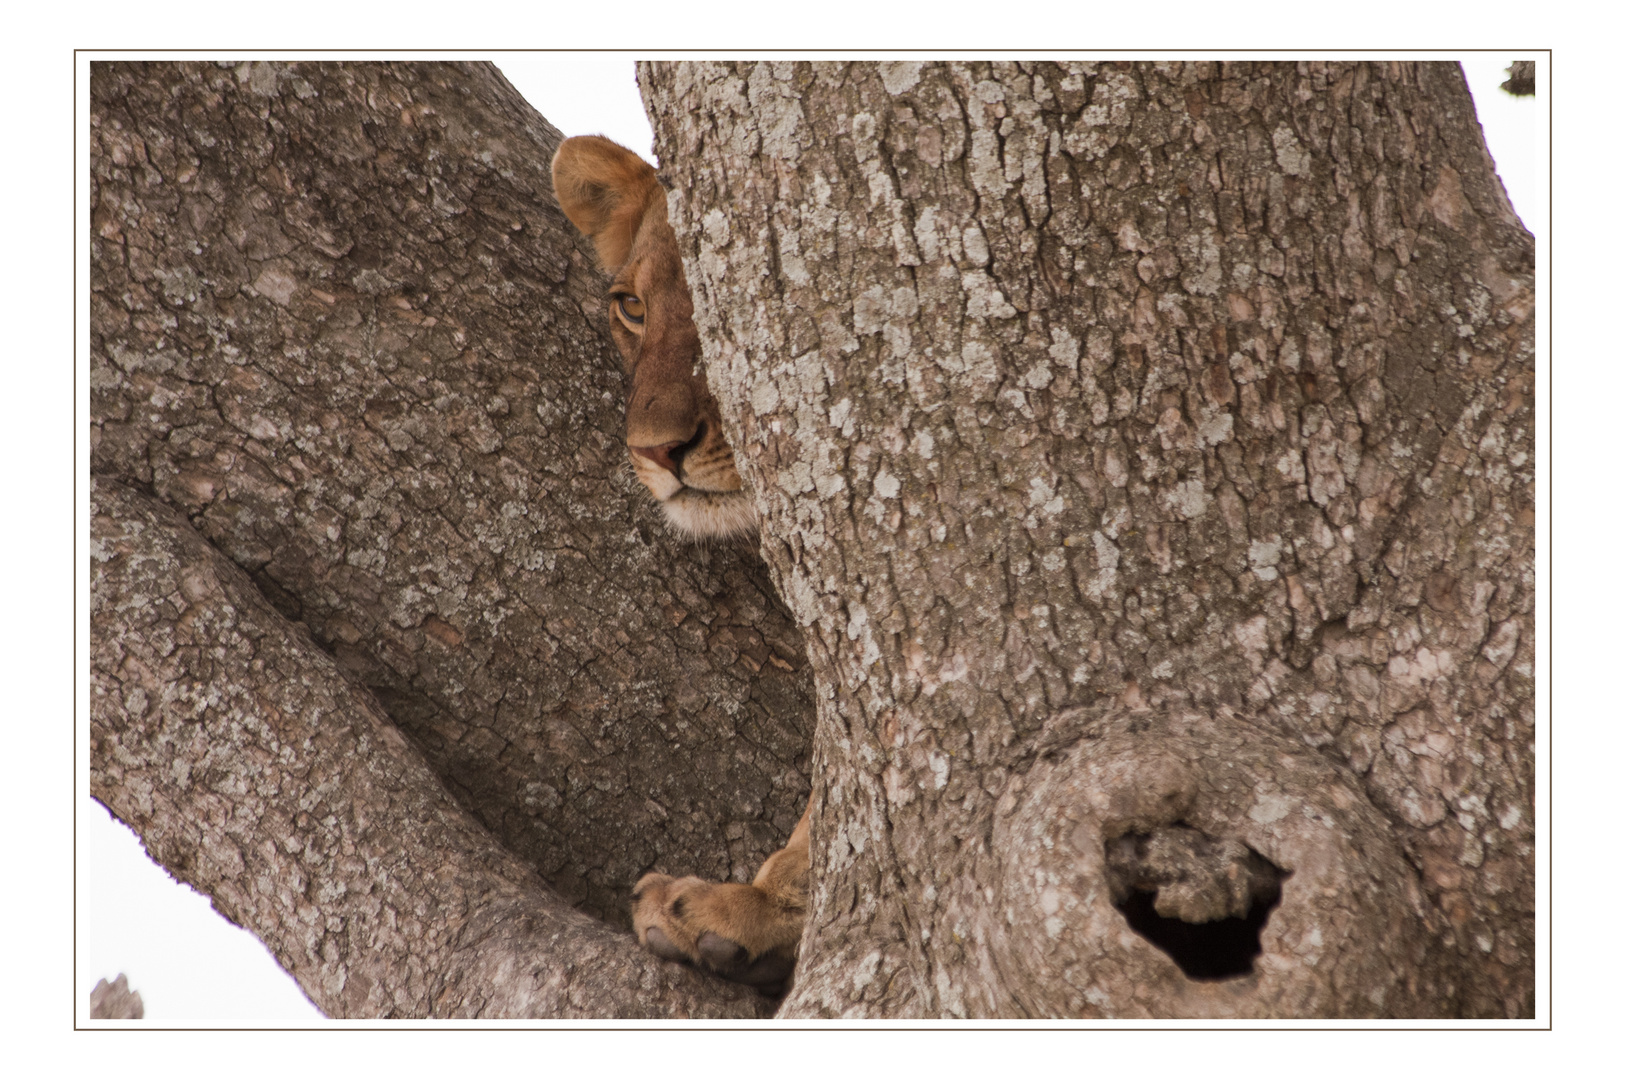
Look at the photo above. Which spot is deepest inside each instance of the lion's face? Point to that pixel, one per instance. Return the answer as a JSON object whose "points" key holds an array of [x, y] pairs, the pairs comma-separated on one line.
{"points": [[674, 431]]}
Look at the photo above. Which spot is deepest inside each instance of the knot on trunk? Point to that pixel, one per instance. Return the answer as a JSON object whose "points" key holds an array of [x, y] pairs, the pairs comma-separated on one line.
{"points": [[1258, 878]]}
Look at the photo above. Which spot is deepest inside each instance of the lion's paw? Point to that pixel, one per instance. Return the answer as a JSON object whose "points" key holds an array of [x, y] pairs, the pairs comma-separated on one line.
{"points": [[735, 931]]}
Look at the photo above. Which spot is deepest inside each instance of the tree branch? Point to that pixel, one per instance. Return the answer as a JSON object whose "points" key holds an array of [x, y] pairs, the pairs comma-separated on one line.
{"points": [[258, 774], [339, 324]]}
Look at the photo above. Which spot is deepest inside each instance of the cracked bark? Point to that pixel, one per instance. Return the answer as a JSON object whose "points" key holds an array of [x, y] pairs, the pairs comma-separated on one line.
{"points": [[340, 328], [252, 766], [1142, 448]]}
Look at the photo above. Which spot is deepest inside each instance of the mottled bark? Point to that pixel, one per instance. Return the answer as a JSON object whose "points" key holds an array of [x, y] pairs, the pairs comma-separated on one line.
{"points": [[339, 324], [1145, 450], [115, 1001], [1521, 78], [255, 770]]}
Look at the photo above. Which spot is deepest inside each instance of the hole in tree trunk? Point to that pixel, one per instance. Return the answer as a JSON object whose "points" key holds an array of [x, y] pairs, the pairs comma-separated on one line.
{"points": [[1202, 901], [1222, 949]]}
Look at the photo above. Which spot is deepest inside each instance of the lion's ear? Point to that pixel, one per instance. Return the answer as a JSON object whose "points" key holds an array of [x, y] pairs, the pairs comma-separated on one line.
{"points": [[604, 189]]}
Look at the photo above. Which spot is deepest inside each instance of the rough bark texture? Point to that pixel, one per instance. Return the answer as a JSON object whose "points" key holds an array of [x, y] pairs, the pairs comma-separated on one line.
{"points": [[1141, 447], [339, 324], [1521, 78], [252, 767], [115, 1001]]}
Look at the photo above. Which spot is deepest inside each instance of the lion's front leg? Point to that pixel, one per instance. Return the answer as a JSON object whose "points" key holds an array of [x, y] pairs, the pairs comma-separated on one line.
{"points": [[747, 933]]}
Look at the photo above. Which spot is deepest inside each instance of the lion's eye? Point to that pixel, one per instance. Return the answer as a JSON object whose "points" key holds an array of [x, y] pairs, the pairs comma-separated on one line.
{"points": [[631, 308]]}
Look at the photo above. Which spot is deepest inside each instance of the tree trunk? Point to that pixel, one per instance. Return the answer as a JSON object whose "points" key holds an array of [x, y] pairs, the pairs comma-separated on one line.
{"points": [[340, 326], [1145, 451]]}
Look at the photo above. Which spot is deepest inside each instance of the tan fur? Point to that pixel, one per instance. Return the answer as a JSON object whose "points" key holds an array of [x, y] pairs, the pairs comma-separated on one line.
{"points": [[674, 430], [748, 933], [604, 190], [675, 439]]}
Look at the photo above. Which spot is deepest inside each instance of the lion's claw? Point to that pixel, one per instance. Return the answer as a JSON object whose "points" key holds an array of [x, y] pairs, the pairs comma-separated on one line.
{"points": [[661, 945], [721, 955], [768, 973]]}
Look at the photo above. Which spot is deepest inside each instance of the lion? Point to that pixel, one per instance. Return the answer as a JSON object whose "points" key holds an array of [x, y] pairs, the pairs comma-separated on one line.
{"points": [[747, 933]]}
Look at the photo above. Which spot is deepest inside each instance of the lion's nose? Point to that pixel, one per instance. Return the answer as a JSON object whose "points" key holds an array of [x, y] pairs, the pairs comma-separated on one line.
{"points": [[666, 455]]}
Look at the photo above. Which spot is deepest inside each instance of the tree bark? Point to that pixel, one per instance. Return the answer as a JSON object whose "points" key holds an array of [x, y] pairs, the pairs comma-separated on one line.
{"points": [[115, 1000], [255, 770], [340, 326], [1146, 453], [1521, 78]]}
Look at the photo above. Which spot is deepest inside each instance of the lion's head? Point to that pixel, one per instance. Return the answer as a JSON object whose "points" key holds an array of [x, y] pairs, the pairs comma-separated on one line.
{"points": [[674, 431]]}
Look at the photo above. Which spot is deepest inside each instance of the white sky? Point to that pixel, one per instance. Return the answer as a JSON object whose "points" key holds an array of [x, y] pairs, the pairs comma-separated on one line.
{"points": [[186, 961]]}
